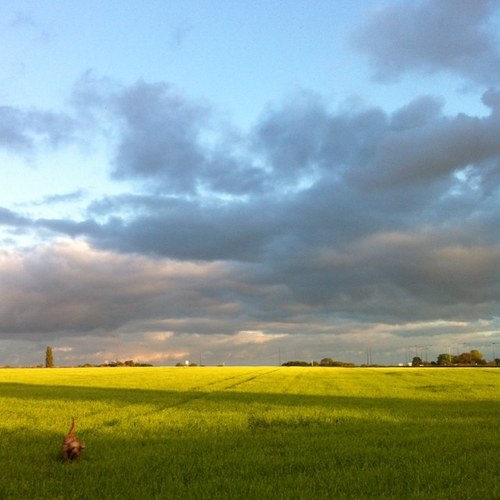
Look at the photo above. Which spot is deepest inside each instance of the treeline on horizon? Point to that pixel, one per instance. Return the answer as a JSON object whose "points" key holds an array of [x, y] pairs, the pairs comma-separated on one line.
{"points": [[107, 364], [471, 358], [323, 362], [113, 364]]}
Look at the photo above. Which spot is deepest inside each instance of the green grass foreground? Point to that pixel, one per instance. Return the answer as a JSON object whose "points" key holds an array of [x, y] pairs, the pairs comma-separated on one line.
{"points": [[259, 433]]}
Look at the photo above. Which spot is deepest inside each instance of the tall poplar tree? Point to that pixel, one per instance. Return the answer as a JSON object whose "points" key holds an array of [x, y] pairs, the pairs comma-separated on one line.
{"points": [[49, 358]]}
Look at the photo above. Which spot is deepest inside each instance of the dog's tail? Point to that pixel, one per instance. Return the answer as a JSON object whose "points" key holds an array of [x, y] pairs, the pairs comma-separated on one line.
{"points": [[72, 428]]}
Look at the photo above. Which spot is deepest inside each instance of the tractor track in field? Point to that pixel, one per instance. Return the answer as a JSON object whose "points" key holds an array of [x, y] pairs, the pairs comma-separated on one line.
{"points": [[201, 393], [254, 375], [249, 379]]}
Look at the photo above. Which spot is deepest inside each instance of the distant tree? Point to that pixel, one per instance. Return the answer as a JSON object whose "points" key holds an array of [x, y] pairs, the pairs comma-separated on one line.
{"points": [[332, 363], [477, 357], [343, 364], [296, 363], [417, 361], [445, 360], [49, 358], [473, 357], [326, 362]]}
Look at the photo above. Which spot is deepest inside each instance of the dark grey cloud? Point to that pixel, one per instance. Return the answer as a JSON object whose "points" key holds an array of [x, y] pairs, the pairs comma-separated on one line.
{"points": [[315, 222], [300, 141], [160, 136], [170, 144], [418, 113], [54, 199], [22, 131], [9, 218], [279, 137], [313, 213], [491, 98], [457, 36], [176, 228], [370, 149], [373, 177], [401, 276], [432, 151], [69, 227], [72, 288], [91, 93]]}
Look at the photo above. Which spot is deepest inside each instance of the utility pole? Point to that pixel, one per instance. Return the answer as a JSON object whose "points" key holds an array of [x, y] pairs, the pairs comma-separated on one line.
{"points": [[416, 350], [466, 344], [426, 349]]}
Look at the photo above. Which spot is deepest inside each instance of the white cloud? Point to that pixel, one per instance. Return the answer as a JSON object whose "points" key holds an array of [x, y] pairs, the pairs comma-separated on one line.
{"points": [[160, 336], [250, 337]]}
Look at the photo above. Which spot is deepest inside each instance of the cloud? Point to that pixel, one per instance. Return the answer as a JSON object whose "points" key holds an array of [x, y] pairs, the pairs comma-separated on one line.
{"points": [[9, 218], [453, 36], [179, 35], [69, 287], [433, 151], [62, 349], [22, 131], [93, 305], [170, 227], [27, 23], [172, 147], [159, 137], [368, 147], [163, 140], [350, 209], [249, 337], [62, 198], [314, 222], [418, 113], [279, 137], [491, 98]]}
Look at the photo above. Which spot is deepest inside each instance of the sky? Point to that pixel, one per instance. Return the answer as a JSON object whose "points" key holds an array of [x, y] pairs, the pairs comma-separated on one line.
{"points": [[247, 183]]}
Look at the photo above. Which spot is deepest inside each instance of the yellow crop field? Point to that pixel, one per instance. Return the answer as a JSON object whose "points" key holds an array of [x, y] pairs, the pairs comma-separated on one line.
{"points": [[251, 432]]}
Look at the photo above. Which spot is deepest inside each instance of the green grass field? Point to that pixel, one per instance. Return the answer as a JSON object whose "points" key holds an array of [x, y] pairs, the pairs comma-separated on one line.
{"points": [[257, 433]]}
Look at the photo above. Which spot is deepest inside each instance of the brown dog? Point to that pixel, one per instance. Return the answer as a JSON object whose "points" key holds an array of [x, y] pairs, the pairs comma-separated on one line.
{"points": [[71, 447]]}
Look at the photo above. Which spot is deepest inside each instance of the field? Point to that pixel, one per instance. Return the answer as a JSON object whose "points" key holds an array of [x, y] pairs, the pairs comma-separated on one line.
{"points": [[266, 432]]}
